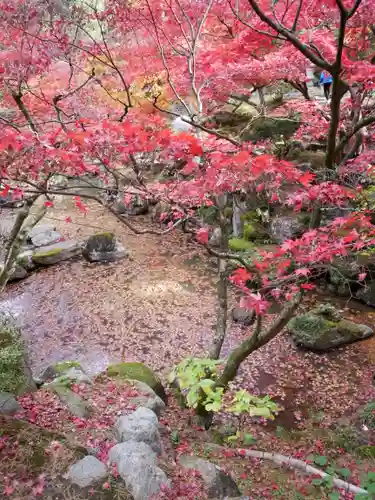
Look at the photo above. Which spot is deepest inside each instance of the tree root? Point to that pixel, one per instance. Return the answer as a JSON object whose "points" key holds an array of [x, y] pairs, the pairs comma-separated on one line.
{"points": [[294, 463]]}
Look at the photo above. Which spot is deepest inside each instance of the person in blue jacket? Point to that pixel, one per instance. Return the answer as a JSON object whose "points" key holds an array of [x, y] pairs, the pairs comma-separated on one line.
{"points": [[326, 80]]}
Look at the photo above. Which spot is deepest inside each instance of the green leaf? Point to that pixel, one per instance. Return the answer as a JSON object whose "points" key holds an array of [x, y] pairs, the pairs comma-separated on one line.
{"points": [[320, 460], [371, 488], [362, 496], [331, 470], [344, 472], [334, 496], [207, 386], [279, 431], [317, 481], [232, 438], [175, 437], [260, 412], [214, 406], [248, 439], [371, 476]]}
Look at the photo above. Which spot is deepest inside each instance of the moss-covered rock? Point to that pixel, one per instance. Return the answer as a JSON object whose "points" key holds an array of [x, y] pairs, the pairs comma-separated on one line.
{"points": [[270, 127], [103, 247], [58, 252], [15, 376], [240, 245], [367, 293], [138, 371], [322, 330], [64, 366]]}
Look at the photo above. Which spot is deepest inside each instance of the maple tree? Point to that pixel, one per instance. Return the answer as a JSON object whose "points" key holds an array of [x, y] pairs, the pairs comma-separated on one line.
{"points": [[75, 83]]}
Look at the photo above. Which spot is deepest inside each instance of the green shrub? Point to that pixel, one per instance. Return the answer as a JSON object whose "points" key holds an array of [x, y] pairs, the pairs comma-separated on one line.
{"points": [[12, 353]]}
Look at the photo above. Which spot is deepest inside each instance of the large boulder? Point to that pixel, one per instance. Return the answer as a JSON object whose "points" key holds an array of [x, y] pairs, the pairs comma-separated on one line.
{"points": [[58, 252], [270, 127], [243, 316], [103, 247], [25, 260], [44, 234], [138, 371], [218, 483], [59, 369], [147, 397], [141, 426], [160, 208], [285, 228], [87, 472], [137, 206], [136, 464], [215, 238], [322, 329], [8, 404], [367, 293], [19, 273], [74, 402]]}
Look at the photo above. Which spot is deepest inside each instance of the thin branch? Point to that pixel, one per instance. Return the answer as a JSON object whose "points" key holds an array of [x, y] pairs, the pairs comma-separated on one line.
{"points": [[291, 37], [197, 125]]}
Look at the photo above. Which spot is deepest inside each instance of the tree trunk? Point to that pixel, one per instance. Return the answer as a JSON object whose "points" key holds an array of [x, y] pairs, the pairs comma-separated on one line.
{"points": [[236, 218], [316, 218], [255, 341], [222, 285], [24, 222]]}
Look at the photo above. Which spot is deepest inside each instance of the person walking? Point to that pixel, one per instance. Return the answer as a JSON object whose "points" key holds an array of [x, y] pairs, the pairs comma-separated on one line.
{"points": [[326, 80]]}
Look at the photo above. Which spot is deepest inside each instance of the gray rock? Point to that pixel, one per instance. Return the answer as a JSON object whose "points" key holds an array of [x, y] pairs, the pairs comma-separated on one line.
{"points": [[155, 404], [138, 206], [218, 483], [367, 294], [58, 369], [160, 208], [8, 404], [136, 464], [25, 259], [285, 228], [40, 229], [142, 425], [47, 238], [75, 404], [132, 449], [103, 247], [147, 398], [58, 252], [77, 375], [19, 273], [244, 316], [322, 329], [215, 239], [87, 472]]}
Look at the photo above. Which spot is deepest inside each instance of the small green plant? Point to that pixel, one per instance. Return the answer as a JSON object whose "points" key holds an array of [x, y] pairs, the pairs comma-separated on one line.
{"points": [[368, 415], [196, 379]]}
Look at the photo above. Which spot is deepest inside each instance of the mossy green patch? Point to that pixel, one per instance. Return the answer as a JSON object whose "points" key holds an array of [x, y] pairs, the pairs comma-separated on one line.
{"points": [[322, 332], [365, 451], [250, 231], [140, 372], [50, 253], [240, 245], [64, 366], [228, 212]]}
